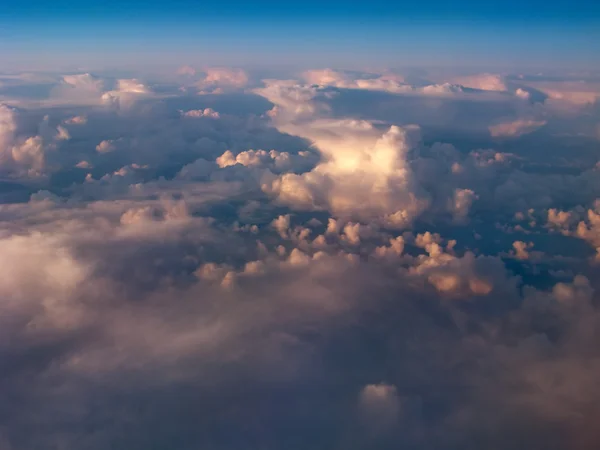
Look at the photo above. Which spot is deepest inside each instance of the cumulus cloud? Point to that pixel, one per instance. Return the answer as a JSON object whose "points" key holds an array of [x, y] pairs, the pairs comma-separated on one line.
{"points": [[25, 155], [380, 404], [186, 70], [76, 120], [7, 125], [521, 249], [273, 160], [484, 82], [365, 175], [462, 202], [206, 112], [329, 77], [84, 81], [105, 146], [217, 79], [125, 94], [516, 128], [575, 92], [391, 83], [364, 172]]}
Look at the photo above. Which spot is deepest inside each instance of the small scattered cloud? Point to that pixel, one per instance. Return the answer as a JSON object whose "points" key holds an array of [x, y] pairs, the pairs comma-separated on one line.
{"points": [[516, 128], [186, 71], [105, 146], [206, 112]]}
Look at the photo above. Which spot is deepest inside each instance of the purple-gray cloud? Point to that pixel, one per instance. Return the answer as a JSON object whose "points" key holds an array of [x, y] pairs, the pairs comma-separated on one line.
{"points": [[339, 260]]}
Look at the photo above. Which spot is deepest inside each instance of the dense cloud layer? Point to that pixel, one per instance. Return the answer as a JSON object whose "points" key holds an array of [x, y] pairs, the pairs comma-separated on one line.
{"points": [[340, 260]]}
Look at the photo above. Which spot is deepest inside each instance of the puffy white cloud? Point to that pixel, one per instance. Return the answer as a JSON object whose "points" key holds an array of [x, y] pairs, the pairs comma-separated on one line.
{"points": [[516, 128], [8, 126], [462, 202], [522, 93], [576, 92], [521, 249], [327, 77], [364, 172], [30, 154], [292, 101], [62, 134], [218, 78], [282, 225], [579, 222], [131, 85], [580, 291], [364, 175], [273, 160], [105, 146], [559, 219], [375, 82], [83, 165], [589, 229], [393, 251], [380, 404], [206, 112], [78, 89], [186, 70], [352, 233], [126, 93], [461, 277], [84, 81], [39, 280], [22, 156], [484, 81], [76, 120]]}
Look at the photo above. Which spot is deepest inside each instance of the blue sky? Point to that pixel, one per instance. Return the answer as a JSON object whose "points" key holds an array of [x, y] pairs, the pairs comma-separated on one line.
{"points": [[510, 33]]}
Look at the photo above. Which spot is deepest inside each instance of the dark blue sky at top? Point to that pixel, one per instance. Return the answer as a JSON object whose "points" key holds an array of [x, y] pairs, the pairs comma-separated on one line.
{"points": [[545, 32], [493, 11]]}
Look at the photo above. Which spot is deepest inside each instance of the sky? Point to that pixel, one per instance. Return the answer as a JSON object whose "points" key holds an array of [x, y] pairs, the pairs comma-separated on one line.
{"points": [[269, 225], [444, 33]]}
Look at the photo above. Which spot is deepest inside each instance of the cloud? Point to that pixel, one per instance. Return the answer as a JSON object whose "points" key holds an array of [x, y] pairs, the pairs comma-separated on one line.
{"points": [[186, 71], [575, 92], [105, 146], [580, 222], [76, 120], [380, 405], [351, 255], [206, 112], [217, 79], [521, 249], [329, 77], [325, 77], [516, 128], [38, 282], [30, 154], [364, 176], [25, 156], [376, 82], [364, 172], [125, 94], [273, 160], [7, 125], [462, 202], [84, 81], [484, 82]]}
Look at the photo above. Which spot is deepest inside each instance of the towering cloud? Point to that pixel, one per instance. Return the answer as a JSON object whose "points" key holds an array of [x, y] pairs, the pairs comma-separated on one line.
{"points": [[363, 173]]}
